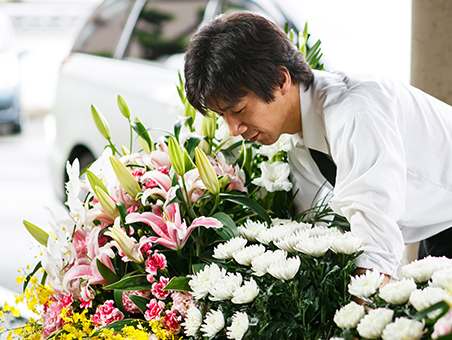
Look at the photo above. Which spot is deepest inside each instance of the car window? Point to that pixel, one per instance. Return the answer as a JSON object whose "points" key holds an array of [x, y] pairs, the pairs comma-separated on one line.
{"points": [[101, 34], [163, 28]]}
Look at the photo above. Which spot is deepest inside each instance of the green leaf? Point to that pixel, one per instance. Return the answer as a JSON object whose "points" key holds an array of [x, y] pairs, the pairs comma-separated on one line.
{"points": [[248, 202], [29, 276], [106, 272], [197, 267], [137, 282], [229, 229], [117, 295], [40, 235], [141, 131], [191, 144], [443, 305], [139, 301], [94, 181], [123, 107], [179, 283], [117, 326], [123, 213], [180, 88]]}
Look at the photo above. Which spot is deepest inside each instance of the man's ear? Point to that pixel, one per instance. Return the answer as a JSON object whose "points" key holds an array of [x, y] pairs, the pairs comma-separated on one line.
{"points": [[285, 81]]}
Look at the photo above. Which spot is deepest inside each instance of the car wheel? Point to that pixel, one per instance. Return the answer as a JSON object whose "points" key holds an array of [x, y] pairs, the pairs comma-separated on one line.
{"points": [[16, 127]]}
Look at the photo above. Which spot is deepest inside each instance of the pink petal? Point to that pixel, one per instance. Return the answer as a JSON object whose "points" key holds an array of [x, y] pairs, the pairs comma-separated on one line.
{"points": [[208, 222]]}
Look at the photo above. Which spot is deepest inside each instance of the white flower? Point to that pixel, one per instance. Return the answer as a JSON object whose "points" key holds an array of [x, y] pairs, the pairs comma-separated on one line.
{"points": [[247, 254], [403, 328], [260, 263], [398, 292], [288, 243], [275, 176], [213, 323], [442, 278], [192, 321], [273, 234], [250, 229], [365, 285], [223, 288], [422, 270], [286, 269], [201, 283], [349, 315], [245, 293], [284, 143], [239, 326], [345, 244], [320, 230], [427, 297], [373, 323], [313, 246], [225, 250]]}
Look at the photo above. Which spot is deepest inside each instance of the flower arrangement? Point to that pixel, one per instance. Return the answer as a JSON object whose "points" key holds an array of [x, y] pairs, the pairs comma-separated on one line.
{"points": [[415, 307]]}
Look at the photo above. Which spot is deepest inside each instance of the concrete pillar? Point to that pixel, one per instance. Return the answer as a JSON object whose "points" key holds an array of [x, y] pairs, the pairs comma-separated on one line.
{"points": [[431, 52]]}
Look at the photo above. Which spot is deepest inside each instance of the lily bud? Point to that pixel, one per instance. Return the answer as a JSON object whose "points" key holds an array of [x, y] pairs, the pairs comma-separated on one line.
{"points": [[176, 156], [206, 172], [208, 126], [123, 107], [40, 235], [188, 163], [144, 145], [126, 243], [190, 110], [128, 182], [106, 202], [101, 123]]}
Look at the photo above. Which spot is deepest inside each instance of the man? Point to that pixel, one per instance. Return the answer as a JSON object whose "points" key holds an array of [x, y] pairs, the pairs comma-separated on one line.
{"points": [[391, 143]]}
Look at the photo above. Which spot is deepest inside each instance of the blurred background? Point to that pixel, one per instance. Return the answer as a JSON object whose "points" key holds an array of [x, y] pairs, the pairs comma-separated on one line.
{"points": [[357, 36]]}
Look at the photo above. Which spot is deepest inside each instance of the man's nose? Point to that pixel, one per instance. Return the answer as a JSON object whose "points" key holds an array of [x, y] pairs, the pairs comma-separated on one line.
{"points": [[236, 126]]}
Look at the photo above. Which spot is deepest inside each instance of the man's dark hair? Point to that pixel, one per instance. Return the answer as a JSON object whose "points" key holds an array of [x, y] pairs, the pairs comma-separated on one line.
{"points": [[235, 54]]}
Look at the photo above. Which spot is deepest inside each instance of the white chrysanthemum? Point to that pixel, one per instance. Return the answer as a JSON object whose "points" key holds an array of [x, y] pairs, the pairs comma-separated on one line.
{"points": [[290, 223], [373, 323], [421, 299], [261, 263], [314, 246], [288, 243], [223, 288], [365, 285], [442, 278], [273, 234], [285, 270], [284, 143], [239, 326], [201, 283], [246, 293], [247, 254], [345, 244], [321, 230], [225, 250], [422, 270], [250, 229], [192, 321], [397, 292], [275, 176], [403, 328], [336, 338], [213, 323], [349, 315]]}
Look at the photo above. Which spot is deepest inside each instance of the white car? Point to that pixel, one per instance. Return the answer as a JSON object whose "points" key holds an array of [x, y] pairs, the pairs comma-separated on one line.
{"points": [[132, 48]]}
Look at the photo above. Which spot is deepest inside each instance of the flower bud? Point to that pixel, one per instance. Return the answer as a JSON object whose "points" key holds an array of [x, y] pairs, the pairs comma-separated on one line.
{"points": [[206, 172], [176, 156], [101, 123], [40, 235], [106, 202], [123, 107], [128, 182], [208, 126]]}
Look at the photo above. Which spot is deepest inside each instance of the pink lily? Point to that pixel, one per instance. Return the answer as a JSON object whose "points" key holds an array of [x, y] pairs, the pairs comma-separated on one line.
{"points": [[172, 231]]}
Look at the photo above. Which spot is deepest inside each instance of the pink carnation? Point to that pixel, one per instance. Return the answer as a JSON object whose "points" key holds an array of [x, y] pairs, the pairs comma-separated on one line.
{"points": [[181, 302], [106, 314], [155, 262], [171, 321], [157, 288], [155, 309], [51, 320], [129, 305]]}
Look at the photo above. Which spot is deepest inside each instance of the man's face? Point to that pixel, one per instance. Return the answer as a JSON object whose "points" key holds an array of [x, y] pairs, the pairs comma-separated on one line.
{"points": [[255, 119]]}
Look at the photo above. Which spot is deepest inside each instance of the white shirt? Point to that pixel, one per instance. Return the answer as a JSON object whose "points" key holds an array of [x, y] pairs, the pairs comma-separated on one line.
{"points": [[392, 145]]}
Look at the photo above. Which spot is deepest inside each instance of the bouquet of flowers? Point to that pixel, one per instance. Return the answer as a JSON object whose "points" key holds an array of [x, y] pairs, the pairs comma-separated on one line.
{"points": [[415, 307]]}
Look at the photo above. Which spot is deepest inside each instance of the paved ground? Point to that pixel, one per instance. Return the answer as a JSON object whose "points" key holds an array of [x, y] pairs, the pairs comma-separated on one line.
{"points": [[25, 190]]}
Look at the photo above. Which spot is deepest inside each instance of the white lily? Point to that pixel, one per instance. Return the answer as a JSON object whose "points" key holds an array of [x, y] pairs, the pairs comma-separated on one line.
{"points": [[127, 244], [275, 176]]}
